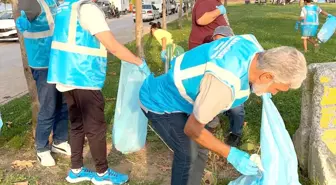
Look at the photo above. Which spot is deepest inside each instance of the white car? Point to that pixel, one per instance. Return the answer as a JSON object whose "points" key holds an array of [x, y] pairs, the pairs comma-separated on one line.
{"points": [[7, 26], [149, 13]]}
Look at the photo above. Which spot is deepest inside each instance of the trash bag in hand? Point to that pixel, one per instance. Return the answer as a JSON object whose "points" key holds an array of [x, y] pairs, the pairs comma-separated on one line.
{"points": [[328, 29], [1, 123], [130, 124], [278, 157]]}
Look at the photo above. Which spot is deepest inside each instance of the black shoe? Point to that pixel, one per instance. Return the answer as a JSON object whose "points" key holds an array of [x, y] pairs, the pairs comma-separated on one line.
{"points": [[233, 140]]}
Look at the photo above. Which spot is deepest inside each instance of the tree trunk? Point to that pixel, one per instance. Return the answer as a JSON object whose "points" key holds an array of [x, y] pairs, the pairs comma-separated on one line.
{"points": [[225, 3], [26, 69], [138, 28], [301, 3], [187, 8], [180, 14], [164, 15]]}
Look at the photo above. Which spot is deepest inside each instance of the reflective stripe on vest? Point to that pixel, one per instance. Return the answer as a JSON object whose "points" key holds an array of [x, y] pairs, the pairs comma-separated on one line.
{"points": [[71, 45], [180, 75], [50, 19], [222, 74]]}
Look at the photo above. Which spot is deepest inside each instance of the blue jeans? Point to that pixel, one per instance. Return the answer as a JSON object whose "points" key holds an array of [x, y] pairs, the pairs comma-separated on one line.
{"points": [[53, 114], [170, 127], [236, 117]]}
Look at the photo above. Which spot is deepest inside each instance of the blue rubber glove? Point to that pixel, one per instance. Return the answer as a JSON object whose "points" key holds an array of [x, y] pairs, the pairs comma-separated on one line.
{"points": [[144, 68], [297, 25], [163, 55], [329, 15], [22, 22], [222, 9], [241, 161]]}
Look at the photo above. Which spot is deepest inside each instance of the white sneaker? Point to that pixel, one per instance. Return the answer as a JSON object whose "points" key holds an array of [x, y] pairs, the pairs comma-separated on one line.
{"points": [[62, 148], [45, 158]]}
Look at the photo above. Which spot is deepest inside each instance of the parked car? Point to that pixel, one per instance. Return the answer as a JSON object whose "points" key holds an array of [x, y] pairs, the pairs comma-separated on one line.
{"points": [[149, 12], [7, 26]]}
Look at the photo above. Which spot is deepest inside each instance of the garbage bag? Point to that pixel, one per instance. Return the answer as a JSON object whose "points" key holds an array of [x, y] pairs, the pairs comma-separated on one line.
{"points": [[1, 123], [130, 124], [278, 157], [327, 30]]}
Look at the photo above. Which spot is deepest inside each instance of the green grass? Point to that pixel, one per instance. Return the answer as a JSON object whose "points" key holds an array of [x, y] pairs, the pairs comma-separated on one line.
{"points": [[272, 25]]}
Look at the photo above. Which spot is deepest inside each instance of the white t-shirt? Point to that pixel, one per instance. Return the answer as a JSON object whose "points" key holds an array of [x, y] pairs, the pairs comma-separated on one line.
{"points": [[213, 98], [93, 20], [304, 11]]}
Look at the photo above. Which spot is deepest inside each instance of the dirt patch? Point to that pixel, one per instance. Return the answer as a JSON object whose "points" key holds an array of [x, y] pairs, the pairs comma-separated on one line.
{"points": [[150, 166], [144, 167]]}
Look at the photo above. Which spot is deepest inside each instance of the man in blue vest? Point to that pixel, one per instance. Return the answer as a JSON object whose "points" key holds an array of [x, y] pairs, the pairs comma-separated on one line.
{"points": [[78, 62], [36, 23], [208, 80], [309, 20]]}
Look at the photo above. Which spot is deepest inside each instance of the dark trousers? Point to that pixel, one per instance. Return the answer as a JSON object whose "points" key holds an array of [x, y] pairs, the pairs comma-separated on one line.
{"points": [[236, 117], [86, 112], [170, 127], [53, 114]]}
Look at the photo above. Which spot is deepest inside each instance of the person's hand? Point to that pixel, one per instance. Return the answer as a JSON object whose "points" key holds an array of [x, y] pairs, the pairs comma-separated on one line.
{"points": [[163, 55], [297, 25], [22, 22], [144, 68], [241, 161], [222, 9]]}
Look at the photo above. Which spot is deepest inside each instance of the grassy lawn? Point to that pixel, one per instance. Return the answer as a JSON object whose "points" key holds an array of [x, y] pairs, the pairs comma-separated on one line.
{"points": [[272, 25]]}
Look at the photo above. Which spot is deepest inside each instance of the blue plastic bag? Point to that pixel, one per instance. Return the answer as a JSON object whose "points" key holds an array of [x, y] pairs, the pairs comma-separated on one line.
{"points": [[328, 29], [1, 123], [130, 124], [278, 156]]}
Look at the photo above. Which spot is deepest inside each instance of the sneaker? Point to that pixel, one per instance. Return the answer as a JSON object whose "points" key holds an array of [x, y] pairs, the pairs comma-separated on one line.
{"points": [[62, 148], [110, 178], [45, 158], [84, 175], [233, 140]]}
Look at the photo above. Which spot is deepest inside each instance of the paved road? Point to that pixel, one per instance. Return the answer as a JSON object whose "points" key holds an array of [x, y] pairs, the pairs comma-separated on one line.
{"points": [[12, 80]]}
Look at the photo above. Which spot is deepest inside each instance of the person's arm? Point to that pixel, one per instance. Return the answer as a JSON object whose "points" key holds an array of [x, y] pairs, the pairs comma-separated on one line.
{"points": [[164, 43], [302, 14], [196, 131], [213, 98], [206, 12], [117, 49], [31, 8], [93, 20], [324, 13], [208, 17]]}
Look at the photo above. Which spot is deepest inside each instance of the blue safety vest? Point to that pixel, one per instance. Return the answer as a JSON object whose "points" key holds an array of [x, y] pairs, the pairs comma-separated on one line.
{"points": [[312, 15], [38, 37], [227, 59], [77, 58]]}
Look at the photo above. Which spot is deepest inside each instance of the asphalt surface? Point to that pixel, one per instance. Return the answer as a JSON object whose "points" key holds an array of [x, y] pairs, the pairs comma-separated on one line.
{"points": [[12, 80]]}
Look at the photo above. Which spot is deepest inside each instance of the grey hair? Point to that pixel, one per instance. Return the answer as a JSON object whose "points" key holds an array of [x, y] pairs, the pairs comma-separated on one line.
{"points": [[287, 64]]}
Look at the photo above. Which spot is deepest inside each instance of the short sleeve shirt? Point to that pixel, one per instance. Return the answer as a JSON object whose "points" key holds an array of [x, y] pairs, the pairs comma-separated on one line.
{"points": [[159, 34], [199, 34], [214, 97], [304, 11]]}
